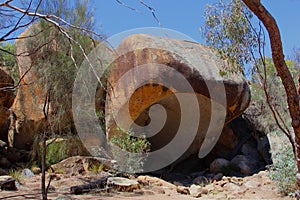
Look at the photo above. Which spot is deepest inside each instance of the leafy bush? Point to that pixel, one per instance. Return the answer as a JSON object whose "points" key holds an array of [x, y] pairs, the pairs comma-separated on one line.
{"points": [[16, 174], [284, 170], [129, 151], [58, 149], [8, 61], [96, 168]]}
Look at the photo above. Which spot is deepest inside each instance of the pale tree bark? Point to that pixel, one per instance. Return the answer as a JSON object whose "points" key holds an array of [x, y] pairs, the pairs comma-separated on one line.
{"points": [[282, 70]]}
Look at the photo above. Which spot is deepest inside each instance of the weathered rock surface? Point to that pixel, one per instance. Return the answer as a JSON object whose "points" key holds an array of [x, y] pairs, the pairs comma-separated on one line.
{"points": [[243, 163], [29, 103], [7, 183], [27, 173], [3, 146], [6, 96], [149, 180], [219, 165], [123, 184], [80, 165], [195, 191], [127, 102], [30, 99]]}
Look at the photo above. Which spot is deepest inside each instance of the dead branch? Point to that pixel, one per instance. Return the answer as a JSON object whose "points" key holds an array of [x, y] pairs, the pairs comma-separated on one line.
{"points": [[127, 6], [274, 111], [151, 9]]}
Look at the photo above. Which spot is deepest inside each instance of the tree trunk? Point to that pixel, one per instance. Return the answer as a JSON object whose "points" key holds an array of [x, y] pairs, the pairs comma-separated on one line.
{"points": [[283, 72]]}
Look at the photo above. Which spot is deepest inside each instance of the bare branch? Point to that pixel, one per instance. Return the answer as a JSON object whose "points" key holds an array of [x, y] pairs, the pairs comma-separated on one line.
{"points": [[152, 10], [274, 111], [127, 6]]}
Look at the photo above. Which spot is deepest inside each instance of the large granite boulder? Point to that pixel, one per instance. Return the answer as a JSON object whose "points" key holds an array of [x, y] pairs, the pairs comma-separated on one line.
{"points": [[6, 95], [6, 98], [131, 96], [44, 63], [30, 98]]}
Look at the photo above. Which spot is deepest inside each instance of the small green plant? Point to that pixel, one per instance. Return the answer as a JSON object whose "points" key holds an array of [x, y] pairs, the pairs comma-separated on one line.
{"points": [[57, 171], [56, 151], [16, 174], [284, 170], [129, 151], [96, 168]]}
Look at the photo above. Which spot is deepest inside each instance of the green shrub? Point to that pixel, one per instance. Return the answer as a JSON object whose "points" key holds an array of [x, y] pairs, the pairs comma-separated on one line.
{"points": [[96, 168], [58, 149], [129, 151], [16, 174], [283, 171]]}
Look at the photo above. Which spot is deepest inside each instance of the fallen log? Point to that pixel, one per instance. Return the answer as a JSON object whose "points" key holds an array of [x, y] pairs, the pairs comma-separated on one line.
{"points": [[99, 184]]}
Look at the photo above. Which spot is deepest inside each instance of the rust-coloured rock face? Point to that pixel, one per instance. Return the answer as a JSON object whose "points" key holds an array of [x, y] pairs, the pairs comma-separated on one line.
{"points": [[29, 102], [197, 64], [30, 97], [6, 95], [44, 62]]}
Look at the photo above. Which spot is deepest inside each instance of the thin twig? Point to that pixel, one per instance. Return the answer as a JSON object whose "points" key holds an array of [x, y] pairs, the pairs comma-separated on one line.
{"points": [[127, 6], [152, 10], [275, 113]]}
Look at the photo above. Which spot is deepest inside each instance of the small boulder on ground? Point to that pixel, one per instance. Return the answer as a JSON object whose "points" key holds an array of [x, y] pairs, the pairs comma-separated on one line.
{"points": [[3, 145], [219, 165], [123, 184], [27, 173], [195, 191], [242, 162], [7, 183]]}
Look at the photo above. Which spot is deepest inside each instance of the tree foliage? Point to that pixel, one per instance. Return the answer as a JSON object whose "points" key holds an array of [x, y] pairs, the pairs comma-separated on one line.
{"points": [[57, 60], [228, 31], [223, 37], [8, 61]]}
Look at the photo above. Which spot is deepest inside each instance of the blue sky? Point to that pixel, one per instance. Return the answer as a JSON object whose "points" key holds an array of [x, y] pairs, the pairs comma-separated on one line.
{"points": [[187, 16]]}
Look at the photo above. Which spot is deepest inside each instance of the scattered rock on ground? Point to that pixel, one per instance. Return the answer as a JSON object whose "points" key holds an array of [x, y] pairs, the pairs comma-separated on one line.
{"points": [[123, 184], [183, 190], [7, 183], [217, 177], [227, 188], [200, 180], [27, 173], [242, 163], [155, 181], [195, 191], [3, 145], [219, 165]]}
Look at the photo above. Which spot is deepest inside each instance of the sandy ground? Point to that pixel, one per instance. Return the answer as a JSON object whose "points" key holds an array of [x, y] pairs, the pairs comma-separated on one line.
{"points": [[258, 186]]}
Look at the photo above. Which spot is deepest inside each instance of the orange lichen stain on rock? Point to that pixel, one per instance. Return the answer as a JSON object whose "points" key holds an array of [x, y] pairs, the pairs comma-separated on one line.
{"points": [[145, 96], [232, 108]]}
